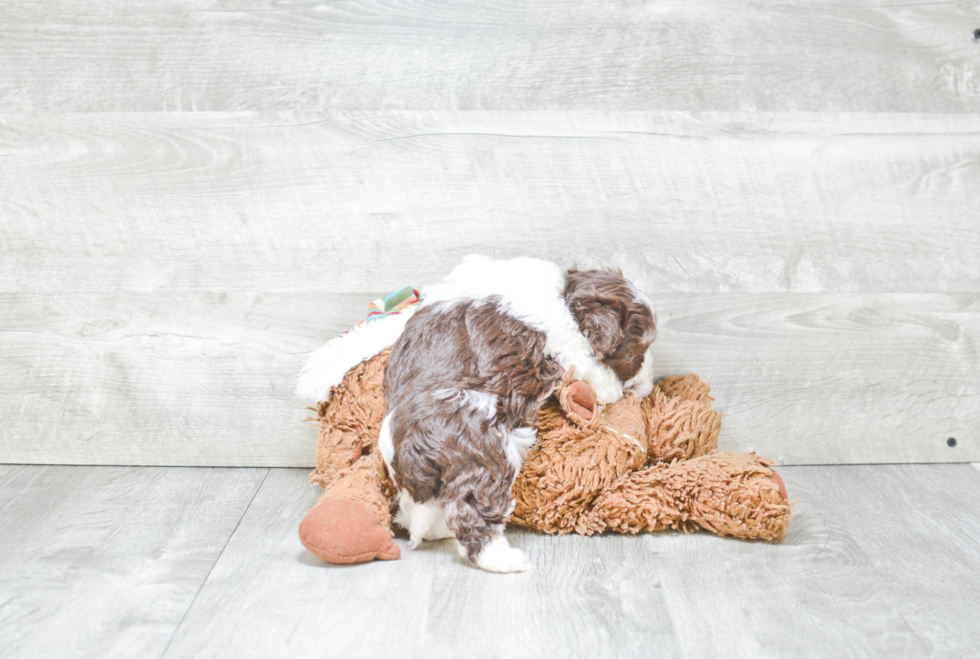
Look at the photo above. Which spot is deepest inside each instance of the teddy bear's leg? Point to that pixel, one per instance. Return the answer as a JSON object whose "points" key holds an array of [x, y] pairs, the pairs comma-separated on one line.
{"points": [[680, 422], [351, 523], [728, 494]]}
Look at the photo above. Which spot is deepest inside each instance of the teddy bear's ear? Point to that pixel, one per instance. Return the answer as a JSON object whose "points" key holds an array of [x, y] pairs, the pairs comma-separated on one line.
{"points": [[578, 401]]}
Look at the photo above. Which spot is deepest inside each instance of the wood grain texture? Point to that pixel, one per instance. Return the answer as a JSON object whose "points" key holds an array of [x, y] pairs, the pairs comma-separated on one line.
{"points": [[200, 378], [879, 563], [269, 597], [179, 379], [693, 202], [930, 555], [834, 379], [163, 274], [230, 55], [104, 562]]}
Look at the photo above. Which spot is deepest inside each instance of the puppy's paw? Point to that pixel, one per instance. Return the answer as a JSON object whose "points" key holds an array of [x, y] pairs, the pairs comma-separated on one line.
{"points": [[499, 556]]}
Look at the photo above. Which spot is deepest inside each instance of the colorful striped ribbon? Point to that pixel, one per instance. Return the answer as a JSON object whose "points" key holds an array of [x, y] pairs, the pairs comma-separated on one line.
{"points": [[390, 305]]}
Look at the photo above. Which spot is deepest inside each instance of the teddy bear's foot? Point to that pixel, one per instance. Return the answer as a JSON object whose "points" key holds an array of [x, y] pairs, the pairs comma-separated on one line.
{"points": [[346, 531]]}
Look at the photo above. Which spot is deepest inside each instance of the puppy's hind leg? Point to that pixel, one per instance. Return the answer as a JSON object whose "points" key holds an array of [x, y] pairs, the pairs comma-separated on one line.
{"points": [[477, 520]]}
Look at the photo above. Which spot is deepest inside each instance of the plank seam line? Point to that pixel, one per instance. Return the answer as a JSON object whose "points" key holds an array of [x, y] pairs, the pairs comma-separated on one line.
{"points": [[216, 560]]}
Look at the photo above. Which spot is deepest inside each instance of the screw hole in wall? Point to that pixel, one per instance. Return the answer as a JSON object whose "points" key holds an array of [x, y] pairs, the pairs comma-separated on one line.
{"points": [[951, 442]]}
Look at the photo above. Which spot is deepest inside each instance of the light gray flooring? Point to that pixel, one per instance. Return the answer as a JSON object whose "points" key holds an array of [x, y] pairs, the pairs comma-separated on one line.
{"points": [[881, 561]]}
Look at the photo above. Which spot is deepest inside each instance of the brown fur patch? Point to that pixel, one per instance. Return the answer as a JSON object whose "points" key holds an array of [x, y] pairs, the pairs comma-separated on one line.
{"points": [[454, 448]]}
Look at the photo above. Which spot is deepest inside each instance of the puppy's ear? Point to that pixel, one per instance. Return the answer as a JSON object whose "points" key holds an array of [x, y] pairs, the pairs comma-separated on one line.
{"points": [[601, 321]]}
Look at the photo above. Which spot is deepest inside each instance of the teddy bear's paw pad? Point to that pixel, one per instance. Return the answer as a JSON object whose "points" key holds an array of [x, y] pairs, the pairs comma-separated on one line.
{"points": [[778, 481], [499, 556], [580, 400], [346, 531]]}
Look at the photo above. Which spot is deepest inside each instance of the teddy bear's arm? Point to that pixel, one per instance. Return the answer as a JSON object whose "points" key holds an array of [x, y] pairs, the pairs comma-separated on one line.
{"points": [[680, 421], [576, 457]]}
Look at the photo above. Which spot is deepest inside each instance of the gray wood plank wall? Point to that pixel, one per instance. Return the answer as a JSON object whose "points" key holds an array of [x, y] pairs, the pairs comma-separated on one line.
{"points": [[728, 55], [195, 195]]}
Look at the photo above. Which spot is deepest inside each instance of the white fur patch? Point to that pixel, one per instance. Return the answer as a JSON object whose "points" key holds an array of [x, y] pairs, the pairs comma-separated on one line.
{"points": [[517, 443], [481, 401], [326, 367], [385, 443], [530, 290], [499, 556], [423, 521]]}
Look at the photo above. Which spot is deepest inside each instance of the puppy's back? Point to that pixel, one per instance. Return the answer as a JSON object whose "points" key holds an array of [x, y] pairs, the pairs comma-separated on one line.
{"points": [[461, 377]]}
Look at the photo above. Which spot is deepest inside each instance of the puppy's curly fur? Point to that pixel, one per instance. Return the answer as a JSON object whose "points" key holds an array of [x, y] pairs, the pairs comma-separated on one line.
{"points": [[467, 377]]}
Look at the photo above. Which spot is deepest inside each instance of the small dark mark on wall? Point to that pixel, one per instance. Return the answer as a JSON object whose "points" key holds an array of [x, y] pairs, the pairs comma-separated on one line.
{"points": [[976, 34], [951, 442]]}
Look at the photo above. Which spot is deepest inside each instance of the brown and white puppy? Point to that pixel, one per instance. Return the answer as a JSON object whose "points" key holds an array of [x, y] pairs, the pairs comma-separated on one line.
{"points": [[469, 372]]}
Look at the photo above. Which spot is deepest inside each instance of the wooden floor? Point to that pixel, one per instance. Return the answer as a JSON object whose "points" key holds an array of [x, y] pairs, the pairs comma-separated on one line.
{"points": [[881, 561]]}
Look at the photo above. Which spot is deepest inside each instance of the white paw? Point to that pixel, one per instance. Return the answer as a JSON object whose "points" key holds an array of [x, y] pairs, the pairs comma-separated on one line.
{"points": [[499, 556]]}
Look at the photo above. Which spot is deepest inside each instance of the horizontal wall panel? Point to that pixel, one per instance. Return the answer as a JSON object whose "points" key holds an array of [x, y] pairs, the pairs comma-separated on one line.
{"points": [[731, 55], [196, 378], [699, 202]]}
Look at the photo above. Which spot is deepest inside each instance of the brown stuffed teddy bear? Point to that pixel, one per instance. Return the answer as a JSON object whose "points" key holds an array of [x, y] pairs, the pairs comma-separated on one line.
{"points": [[630, 466]]}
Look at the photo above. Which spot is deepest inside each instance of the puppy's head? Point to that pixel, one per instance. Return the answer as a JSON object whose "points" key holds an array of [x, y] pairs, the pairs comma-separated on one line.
{"points": [[618, 321]]}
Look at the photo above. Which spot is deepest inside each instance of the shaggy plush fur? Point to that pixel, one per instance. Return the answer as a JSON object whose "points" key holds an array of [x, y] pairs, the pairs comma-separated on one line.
{"points": [[636, 466]]}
